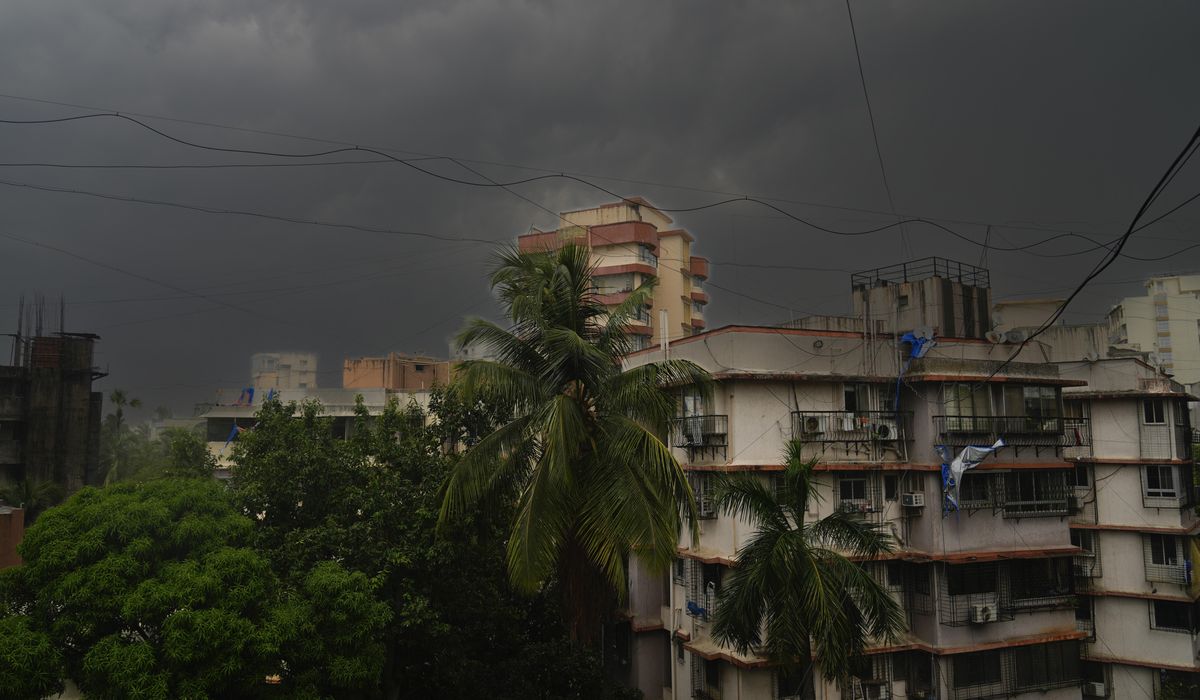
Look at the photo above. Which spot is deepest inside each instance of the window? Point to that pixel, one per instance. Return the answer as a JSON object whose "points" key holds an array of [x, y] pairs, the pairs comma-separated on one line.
{"points": [[1162, 326], [419, 368], [1163, 551], [1039, 402], [855, 397], [1171, 616], [980, 668], [1082, 476], [1161, 482], [680, 571], [1043, 666], [1153, 412], [712, 677], [902, 301], [679, 655], [891, 487], [702, 489], [969, 579], [646, 255], [968, 400], [852, 489], [697, 307], [1028, 493], [1160, 286], [1040, 578], [1160, 310], [790, 685], [639, 342], [921, 580], [973, 491]]}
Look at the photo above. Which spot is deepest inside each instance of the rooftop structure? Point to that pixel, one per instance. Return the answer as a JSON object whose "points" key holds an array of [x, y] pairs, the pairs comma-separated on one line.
{"points": [[395, 371]]}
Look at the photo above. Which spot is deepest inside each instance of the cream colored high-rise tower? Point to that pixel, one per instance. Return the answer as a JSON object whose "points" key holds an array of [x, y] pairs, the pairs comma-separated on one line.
{"points": [[632, 242]]}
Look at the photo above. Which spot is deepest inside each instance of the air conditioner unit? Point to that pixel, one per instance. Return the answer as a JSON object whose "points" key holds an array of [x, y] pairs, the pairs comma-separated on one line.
{"points": [[994, 336], [813, 425], [915, 499], [885, 429], [1015, 336], [983, 613], [1095, 690]]}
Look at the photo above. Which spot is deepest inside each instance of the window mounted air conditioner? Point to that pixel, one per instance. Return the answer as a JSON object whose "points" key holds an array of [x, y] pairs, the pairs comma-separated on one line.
{"points": [[983, 613], [1095, 690], [915, 499]]}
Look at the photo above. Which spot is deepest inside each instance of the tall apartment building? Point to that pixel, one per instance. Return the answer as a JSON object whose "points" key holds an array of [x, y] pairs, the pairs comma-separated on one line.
{"points": [[989, 592], [49, 415], [632, 242], [283, 370], [1135, 519], [1166, 322]]}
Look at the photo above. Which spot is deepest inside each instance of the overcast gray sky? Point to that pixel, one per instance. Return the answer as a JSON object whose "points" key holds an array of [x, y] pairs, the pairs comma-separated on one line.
{"points": [[1056, 115]]}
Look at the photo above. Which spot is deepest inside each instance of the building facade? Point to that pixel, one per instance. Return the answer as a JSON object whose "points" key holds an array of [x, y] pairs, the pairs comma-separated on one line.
{"points": [[631, 243], [1166, 322], [395, 371], [1136, 522], [1000, 595], [283, 370], [49, 415]]}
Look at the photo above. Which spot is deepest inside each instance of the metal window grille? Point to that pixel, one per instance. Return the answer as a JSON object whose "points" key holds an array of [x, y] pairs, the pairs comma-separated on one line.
{"points": [[1087, 563], [702, 490], [872, 680], [1165, 559], [701, 435], [680, 571], [978, 490], [859, 494], [1039, 584], [1018, 431], [1163, 439], [1003, 673], [704, 582], [1172, 616], [1035, 493], [1081, 505], [918, 588], [1176, 685], [1167, 486], [1077, 437], [1085, 617], [794, 685], [972, 594], [853, 436]]}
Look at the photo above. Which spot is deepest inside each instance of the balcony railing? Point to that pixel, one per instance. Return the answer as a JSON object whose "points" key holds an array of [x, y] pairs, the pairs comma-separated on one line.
{"points": [[850, 426], [701, 434], [1018, 431], [645, 256]]}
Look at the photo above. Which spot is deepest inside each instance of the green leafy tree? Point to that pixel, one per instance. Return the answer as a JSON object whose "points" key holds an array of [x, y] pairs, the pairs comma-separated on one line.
{"points": [[457, 629], [31, 667], [118, 438], [801, 581], [582, 457], [149, 590]]}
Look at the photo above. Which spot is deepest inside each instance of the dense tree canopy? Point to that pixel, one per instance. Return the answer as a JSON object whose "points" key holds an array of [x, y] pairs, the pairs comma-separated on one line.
{"points": [[151, 590]]}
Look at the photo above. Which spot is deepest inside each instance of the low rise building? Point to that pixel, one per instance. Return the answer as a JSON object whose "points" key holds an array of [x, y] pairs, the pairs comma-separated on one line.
{"points": [[395, 372], [283, 371]]}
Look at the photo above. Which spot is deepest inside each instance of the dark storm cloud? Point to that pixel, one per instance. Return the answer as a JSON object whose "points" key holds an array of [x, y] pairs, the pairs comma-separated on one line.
{"points": [[1058, 115]]}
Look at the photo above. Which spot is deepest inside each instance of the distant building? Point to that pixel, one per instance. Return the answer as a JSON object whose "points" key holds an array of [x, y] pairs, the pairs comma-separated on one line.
{"points": [[12, 531], [49, 415], [632, 242], [283, 370], [224, 422], [396, 372], [1166, 322]]}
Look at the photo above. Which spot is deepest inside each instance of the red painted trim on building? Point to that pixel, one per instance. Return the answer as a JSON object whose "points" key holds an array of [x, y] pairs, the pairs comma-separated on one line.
{"points": [[677, 232], [1131, 461], [1139, 596], [622, 269], [697, 322], [639, 329], [648, 626], [698, 296], [1064, 636], [1150, 529], [637, 232], [1043, 381], [699, 267], [1092, 656]]}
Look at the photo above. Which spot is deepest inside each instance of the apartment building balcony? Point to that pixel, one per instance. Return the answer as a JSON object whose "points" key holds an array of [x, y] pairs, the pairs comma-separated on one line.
{"points": [[1017, 431], [1028, 493], [853, 436], [701, 436], [987, 592], [1164, 441], [1168, 486], [1166, 559], [12, 407]]}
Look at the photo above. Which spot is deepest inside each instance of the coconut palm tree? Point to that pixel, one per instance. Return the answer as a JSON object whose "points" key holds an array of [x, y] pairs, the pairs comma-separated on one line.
{"points": [[582, 458], [33, 496], [801, 582], [117, 429]]}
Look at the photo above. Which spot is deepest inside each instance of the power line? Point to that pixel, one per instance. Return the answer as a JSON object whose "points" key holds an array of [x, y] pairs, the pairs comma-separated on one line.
{"points": [[507, 185], [875, 131]]}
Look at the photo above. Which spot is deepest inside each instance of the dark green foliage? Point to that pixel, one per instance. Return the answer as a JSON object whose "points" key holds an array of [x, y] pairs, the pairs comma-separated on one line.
{"points": [[151, 590], [30, 665], [34, 497], [371, 502], [800, 580]]}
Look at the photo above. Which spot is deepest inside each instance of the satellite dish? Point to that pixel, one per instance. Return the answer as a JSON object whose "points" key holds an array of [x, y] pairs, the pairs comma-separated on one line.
{"points": [[994, 336], [1016, 336], [1091, 356], [925, 332]]}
